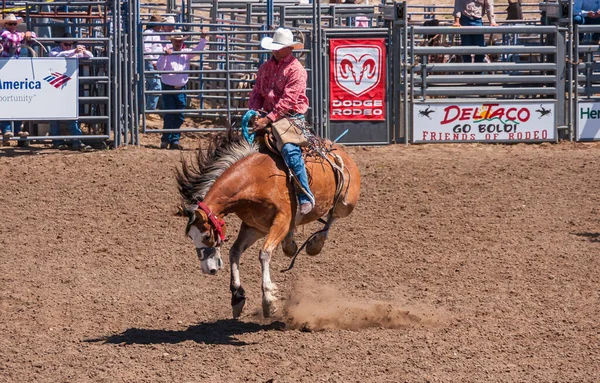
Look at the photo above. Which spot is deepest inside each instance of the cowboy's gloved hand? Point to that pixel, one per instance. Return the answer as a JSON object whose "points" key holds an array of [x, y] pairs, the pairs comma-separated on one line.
{"points": [[28, 36]]}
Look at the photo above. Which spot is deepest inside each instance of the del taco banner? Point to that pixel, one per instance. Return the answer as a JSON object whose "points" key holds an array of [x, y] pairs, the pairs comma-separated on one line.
{"points": [[487, 121], [357, 79]]}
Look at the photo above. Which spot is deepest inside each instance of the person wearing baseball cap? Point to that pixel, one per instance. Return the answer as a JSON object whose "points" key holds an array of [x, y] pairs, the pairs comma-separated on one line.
{"points": [[280, 94]]}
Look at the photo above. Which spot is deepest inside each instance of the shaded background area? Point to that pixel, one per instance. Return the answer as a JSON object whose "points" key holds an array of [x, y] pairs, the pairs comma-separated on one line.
{"points": [[460, 263]]}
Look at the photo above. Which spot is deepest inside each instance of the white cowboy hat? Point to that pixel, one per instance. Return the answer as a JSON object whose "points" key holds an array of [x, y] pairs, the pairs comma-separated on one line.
{"points": [[177, 35], [11, 17], [169, 20], [282, 38]]}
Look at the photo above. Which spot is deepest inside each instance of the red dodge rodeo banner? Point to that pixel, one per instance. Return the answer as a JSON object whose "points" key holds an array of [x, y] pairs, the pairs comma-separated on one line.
{"points": [[357, 79]]}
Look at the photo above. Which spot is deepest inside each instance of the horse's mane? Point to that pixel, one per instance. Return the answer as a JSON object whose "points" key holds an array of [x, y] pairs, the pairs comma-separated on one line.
{"points": [[195, 178]]}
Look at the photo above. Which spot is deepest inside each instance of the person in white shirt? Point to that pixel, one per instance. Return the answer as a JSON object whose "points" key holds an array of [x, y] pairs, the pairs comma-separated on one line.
{"points": [[152, 44]]}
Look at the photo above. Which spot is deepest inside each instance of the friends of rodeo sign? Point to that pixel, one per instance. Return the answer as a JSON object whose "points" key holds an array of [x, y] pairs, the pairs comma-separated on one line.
{"points": [[484, 122], [357, 79]]}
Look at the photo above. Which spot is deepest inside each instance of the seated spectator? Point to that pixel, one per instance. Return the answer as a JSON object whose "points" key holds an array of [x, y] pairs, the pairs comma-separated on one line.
{"points": [[175, 81], [10, 42], [587, 12], [69, 48]]}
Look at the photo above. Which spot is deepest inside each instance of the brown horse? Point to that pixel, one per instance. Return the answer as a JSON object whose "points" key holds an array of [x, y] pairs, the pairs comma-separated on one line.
{"points": [[233, 176]]}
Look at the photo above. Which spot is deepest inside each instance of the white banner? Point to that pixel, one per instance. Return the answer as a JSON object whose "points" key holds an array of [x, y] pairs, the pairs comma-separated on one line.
{"points": [[487, 121], [39, 88], [588, 121]]}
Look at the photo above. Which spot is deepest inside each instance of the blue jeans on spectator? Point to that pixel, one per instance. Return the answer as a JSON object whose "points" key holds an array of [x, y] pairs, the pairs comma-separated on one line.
{"points": [[580, 20], [152, 83], [73, 131], [173, 120], [292, 155], [5, 127], [472, 40]]}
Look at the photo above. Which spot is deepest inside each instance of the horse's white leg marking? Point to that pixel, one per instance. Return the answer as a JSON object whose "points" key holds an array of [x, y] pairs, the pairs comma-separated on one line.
{"points": [[246, 238], [279, 229], [268, 287]]}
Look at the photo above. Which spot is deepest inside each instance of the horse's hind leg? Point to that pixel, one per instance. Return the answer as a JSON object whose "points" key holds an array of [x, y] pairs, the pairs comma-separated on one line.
{"points": [[279, 230], [246, 237], [288, 245], [315, 244]]}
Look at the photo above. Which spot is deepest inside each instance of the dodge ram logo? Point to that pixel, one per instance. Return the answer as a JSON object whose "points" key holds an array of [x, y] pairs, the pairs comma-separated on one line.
{"points": [[357, 68]]}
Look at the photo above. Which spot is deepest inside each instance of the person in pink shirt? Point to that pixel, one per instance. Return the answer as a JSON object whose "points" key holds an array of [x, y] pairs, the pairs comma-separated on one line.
{"points": [[10, 46], [280, 93], [175, 60], [11, 39]]}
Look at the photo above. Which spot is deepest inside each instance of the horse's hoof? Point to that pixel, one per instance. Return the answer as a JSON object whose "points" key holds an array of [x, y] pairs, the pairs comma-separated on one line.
{"points": [[238, 308], [315, 245], [269, 310], [238, 300], [291, 249]]}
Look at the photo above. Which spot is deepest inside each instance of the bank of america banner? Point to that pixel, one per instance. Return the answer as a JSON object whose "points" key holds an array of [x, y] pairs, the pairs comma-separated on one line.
{"points": [[357, 79], [39, 88], [485, 121]]}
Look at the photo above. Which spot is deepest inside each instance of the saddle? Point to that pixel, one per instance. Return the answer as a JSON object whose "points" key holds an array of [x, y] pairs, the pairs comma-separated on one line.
{"points": [[280, 133]]}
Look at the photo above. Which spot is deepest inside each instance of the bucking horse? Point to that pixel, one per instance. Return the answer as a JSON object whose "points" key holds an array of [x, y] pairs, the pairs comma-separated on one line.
{"points": [[233, 176]]}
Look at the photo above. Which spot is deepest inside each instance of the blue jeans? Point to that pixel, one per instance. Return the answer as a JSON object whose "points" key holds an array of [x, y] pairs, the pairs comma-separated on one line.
{"points": [[5, 127], [580, 20], [152, 83], [173, 120], [73, 131], [472, 40], [292, 155]]}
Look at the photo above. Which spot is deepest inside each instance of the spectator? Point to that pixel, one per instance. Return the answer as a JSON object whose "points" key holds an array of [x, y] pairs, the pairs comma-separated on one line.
{"points": [[176, 59], [359, 21], [587, 12], [280, 92], [152, 44], [169, 27], [169, 24], [469, 13], [11, 41], [68, 48]]}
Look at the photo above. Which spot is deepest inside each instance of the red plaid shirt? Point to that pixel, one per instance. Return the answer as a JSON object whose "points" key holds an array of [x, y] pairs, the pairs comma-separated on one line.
{"points": [[280, 88]]}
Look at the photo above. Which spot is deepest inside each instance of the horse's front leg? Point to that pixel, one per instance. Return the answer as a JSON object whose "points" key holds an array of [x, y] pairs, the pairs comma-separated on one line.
{"points": [[279, 229], [246, 238]]}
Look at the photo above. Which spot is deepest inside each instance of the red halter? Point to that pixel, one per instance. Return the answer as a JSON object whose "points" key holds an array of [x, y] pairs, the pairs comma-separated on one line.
{"points": [[216, 222]]}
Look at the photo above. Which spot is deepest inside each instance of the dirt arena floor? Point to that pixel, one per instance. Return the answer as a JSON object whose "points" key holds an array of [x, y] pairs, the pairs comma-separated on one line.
{"points": [[462, 263]]}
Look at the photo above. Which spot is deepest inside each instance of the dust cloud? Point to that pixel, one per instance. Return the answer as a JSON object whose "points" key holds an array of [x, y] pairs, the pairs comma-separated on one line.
{"points": [[312, 306]]}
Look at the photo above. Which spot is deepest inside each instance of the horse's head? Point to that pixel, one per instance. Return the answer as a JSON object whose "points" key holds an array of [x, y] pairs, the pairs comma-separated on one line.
{"points": [[208, 233]]}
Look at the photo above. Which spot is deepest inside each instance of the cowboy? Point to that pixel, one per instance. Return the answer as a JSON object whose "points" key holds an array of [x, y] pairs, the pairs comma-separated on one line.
{"points": [[280, 92], [10, 42], [152, 45], [67, 47], [10, 38], [176, 59]]}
